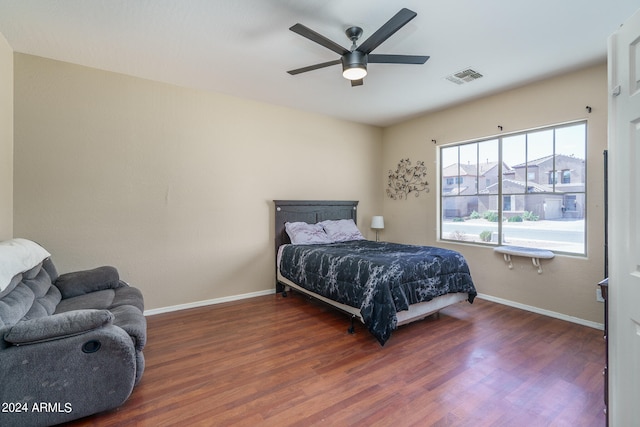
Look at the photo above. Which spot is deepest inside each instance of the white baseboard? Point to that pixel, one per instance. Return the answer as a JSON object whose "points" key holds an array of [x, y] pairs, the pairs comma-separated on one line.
{"points": [[549, 313], [207, 302]]}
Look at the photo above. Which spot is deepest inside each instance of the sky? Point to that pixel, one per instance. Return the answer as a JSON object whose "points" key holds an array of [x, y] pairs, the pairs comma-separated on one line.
{"points": [[518, 148]]}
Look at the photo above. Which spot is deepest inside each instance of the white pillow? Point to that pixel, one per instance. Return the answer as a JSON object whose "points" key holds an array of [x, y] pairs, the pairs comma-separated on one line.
{"points": [[302, 233], [342, 230], [18, 256]]}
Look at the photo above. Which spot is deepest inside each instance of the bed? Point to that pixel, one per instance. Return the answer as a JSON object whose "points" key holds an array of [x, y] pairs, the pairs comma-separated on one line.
{"points": [[381, 284]]}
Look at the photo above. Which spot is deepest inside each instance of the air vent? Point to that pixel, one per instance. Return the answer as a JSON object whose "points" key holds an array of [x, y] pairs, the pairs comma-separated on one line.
{"points": [[464, 76]]}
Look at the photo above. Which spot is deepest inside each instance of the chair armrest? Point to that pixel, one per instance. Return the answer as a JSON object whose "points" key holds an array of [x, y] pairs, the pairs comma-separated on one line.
{"points": [[83, 282], [86, 373], [57, 326]]}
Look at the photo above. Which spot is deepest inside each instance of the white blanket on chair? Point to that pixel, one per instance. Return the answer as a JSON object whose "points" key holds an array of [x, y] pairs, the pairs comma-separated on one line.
{"points": [[18, 256]]}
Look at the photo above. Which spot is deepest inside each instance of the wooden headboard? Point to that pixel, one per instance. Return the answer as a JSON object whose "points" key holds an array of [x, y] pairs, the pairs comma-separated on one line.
{"points": [[310, 211]]}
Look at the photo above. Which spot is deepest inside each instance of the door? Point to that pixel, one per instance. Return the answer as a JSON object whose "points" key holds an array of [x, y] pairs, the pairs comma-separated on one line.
{"points": [[624, 224], [552, 208]]}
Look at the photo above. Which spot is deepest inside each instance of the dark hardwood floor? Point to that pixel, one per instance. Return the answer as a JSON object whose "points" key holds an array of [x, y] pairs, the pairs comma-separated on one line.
{"points": [[277, 361]]}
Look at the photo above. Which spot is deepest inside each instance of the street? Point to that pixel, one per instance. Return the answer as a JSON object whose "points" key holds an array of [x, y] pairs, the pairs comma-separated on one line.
{"points": [[549, 231]]}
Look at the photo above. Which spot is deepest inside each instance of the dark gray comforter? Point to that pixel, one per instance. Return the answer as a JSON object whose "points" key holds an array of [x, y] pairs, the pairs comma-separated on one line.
{"points": [[379, 278]]}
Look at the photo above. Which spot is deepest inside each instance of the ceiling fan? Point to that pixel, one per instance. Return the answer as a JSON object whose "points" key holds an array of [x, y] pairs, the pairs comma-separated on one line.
{"points": [[354, 61]]}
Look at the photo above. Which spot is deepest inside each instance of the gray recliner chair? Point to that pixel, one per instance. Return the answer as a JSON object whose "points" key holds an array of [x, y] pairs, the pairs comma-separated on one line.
{"points": [[71, 344]]}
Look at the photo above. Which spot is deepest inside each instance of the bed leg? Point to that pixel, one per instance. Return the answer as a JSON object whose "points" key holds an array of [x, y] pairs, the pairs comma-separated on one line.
{"points": [[282, 289], [352, 328]]}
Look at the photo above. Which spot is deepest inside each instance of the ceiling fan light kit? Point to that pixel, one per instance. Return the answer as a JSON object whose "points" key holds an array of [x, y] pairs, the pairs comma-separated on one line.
{"points": [[354, 61], [354, 65]]}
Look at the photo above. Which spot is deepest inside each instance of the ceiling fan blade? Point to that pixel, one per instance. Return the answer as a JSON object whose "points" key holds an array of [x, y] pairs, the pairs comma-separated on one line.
{"points": [[396, 59], [318, 38], [357, 82], [314, 67], [398, 21]]}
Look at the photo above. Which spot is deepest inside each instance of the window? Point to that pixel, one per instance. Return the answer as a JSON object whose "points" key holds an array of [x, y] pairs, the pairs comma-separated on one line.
{"points": [[565, 177], [506, 203], [530, 189], [571, 203]]}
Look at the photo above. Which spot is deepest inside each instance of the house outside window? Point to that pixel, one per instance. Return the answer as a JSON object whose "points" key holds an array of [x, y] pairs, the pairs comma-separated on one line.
{"points": [[530, 190]]}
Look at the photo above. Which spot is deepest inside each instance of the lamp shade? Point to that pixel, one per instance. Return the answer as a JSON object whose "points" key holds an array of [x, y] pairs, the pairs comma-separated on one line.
{"points": [[377, 222]]}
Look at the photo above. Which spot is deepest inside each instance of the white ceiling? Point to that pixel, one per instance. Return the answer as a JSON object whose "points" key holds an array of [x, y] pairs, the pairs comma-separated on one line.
{"points": [[244, 47]]}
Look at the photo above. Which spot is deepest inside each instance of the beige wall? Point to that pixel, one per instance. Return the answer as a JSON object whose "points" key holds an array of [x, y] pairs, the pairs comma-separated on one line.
{"points": [[172, 186], [6, 139], [567, 285]]}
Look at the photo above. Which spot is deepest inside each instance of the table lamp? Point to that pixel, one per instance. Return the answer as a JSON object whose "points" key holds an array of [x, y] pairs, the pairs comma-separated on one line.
{"points": [[377, 223]]}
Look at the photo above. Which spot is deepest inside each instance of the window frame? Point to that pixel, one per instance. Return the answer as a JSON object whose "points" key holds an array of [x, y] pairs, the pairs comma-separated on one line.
{"points": [[559, 177]]}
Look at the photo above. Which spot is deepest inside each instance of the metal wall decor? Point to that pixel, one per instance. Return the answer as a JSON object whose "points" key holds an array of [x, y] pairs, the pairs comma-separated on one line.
{"points": [[407, 179]]}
